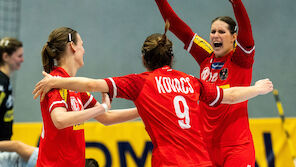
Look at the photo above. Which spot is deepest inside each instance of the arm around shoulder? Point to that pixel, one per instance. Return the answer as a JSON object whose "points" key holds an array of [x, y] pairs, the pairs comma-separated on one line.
{"points": [[80, 84]]}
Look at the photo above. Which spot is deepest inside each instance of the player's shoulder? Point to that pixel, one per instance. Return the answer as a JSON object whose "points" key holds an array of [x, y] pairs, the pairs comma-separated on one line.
{"points": [[3, 78], [183, 74], [57, 94], [140, 76]]}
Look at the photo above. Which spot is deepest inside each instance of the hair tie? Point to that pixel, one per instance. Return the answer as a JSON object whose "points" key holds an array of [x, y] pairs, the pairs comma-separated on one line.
{"points": [[69, 37], [4, 43]]}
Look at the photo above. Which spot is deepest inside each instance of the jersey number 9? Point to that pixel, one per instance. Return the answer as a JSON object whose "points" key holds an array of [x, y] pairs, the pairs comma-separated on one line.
{"points": [[184, 121]]}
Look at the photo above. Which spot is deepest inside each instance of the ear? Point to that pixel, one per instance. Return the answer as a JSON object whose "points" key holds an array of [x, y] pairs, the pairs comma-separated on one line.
{"points": [[5, 57], [72, 46], [234, 37]]}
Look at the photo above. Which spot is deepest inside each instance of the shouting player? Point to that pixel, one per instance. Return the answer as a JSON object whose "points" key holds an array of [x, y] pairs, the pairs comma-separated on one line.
{"points": [[226, 127]]}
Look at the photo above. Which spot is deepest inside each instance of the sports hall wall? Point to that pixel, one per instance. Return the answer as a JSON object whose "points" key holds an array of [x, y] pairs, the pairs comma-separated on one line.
{"points": [[114, 30]]}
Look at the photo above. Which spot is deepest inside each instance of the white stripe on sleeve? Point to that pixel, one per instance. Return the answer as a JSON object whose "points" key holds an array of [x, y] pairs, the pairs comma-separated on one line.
{"points": [[217, 98], [89, 100], [248, 52], [114, 87], [57, 102], [191, 43]]}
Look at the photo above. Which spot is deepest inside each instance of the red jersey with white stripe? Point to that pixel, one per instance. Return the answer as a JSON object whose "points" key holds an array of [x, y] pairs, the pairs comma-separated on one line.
{"points": [[167, 101], [224, 124], [63, 147]]}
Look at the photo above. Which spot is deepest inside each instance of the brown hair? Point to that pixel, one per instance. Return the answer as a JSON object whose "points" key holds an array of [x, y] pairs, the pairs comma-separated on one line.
{"points": [[157, 50], [8, 45], [56, 46], [228, 20]]}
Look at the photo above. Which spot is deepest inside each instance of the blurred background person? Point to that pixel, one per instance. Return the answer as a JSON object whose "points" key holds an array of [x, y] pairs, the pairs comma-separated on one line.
{"points": [[11, 51]]}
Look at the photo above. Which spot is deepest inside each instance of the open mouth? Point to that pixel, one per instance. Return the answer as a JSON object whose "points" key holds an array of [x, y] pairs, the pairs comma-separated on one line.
{"points": [[218, 44]]}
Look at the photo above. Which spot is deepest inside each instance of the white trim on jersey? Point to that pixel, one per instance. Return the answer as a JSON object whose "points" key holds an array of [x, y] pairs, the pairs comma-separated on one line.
{"points": [[191, 43], [114, 87], [248, 52], [217, 98], [89, 100], [79, 101], [57, 102], [42, 133]]}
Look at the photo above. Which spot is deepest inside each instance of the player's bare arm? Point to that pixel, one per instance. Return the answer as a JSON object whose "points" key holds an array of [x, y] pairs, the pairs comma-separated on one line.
{"points": [[24, 150], [117, 116], [239, 94], [80, 84], [62, 119]]}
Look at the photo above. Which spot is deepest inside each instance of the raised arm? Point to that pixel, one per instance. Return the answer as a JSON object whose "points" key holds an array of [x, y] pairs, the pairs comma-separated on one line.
{"points": [[194, 44], [177, 26], [239, 94], [245, 37]]}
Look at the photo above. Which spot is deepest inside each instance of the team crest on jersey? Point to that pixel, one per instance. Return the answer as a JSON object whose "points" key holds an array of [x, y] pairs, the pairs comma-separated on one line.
{"points": [[205, 73], [75, 104], [223, 74], [217, 65]]}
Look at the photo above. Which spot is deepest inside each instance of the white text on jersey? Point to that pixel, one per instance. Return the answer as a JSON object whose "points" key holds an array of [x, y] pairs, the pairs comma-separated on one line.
{"points": [[177, 85]]}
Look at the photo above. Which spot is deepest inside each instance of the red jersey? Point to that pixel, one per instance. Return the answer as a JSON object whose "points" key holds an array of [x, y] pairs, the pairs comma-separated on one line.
{"points": [[228, 123], [167, 101], [63, 147]]}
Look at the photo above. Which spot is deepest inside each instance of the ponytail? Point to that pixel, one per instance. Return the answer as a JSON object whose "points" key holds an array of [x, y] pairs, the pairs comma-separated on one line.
{"points": [[47, 58], [164, 37], [157, 50]]}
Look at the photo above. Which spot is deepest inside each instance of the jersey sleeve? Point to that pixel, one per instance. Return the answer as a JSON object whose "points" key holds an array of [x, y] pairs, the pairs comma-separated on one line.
{"points": [[88, 100], [194, 44], [55, 100], [211, 93], [245, 49], [127, 87]]}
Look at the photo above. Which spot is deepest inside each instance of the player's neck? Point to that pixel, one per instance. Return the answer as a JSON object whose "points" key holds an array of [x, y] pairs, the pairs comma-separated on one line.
{"points": [[70, 70], [6, 70], [69, 65]]}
